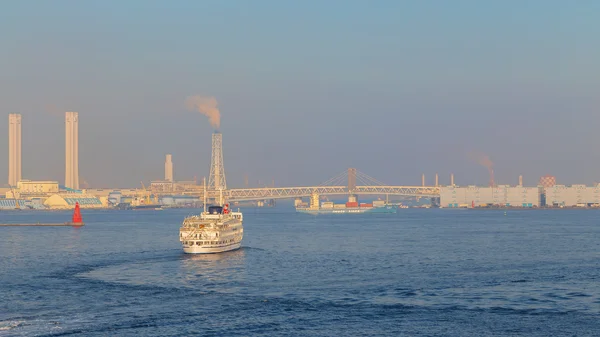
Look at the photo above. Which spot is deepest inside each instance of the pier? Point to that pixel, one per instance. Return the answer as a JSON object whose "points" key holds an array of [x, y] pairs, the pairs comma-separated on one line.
{"points": [[76, 221], [70, 224]]}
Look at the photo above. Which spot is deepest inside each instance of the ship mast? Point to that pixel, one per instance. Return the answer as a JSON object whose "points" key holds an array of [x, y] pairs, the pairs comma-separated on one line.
{"points": [[204, 202]]}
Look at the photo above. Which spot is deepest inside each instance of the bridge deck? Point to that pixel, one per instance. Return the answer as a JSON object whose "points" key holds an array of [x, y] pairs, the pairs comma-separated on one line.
{"points": [[240, 194]]}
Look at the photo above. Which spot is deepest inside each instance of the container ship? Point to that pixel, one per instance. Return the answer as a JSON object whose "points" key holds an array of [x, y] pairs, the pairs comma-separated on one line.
{"points": [[135, 203], [351, 207]]}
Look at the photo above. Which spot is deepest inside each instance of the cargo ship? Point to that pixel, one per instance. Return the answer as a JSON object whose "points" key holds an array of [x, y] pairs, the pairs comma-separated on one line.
{"points": [[128, 206], [137, 203], [351, 207]]}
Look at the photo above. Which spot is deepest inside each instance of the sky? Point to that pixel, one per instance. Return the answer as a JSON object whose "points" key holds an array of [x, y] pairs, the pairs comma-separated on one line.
{"points": [[305, 89]]}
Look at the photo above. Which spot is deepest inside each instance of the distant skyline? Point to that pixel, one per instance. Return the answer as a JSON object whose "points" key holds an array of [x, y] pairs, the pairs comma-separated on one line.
{"points": [[305, 89]]}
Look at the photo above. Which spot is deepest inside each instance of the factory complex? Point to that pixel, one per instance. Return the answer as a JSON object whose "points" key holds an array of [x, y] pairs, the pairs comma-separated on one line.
{"points": [[501, 195], [547, 194], [50, 195], [27, 194]]}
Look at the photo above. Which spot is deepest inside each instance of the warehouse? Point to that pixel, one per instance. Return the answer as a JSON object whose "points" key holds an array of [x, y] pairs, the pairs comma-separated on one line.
{"points": [[502, 195], [68, 200], [37, 187], [8, 204], [519, 196], [570, 196]]}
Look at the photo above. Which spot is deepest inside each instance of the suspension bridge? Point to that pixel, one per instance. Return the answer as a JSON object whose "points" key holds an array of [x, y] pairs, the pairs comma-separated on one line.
{"points": [[349, 182]]}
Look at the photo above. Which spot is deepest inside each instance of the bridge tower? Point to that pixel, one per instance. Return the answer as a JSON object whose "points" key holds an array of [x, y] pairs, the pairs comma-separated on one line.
{"points": [[352, 185], [351, 180], [216, 180]]}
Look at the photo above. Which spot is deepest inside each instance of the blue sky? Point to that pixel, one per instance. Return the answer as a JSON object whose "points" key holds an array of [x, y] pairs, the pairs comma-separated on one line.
{"points": [[306, 89]]}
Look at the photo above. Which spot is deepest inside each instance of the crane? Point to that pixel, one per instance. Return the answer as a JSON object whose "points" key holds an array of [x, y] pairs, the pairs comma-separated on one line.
{"points": [[147, 194], [14, 197]]}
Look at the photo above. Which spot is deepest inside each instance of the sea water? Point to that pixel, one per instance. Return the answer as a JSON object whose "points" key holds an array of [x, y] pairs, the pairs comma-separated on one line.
{"points": [[418, 272]]}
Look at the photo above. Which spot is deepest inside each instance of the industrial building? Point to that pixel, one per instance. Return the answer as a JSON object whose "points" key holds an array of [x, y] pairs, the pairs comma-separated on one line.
{"points": [[68, 200], [14, 149], [11, 204], [501, 195], [104, 192], [31, 189], [72, 150], [547, 181], [37, 187], [8, 204], [162, 186], [572, 196]]}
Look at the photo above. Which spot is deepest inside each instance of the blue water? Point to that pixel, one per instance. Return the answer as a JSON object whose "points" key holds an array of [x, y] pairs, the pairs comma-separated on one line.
{"points": [[417, 273]]}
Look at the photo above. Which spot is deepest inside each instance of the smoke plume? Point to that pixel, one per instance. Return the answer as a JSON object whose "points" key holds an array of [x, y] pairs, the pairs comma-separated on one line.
{"points": [[206, 106], [53, 110], [484, 160], [481, 159]]}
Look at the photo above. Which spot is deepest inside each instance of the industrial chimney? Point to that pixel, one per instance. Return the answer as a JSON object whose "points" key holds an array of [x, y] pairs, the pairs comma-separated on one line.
{"points": [[216, 179], [521, 181], [168, 168], [436, 180], [423, 180], [492, 182], [451, 179]]}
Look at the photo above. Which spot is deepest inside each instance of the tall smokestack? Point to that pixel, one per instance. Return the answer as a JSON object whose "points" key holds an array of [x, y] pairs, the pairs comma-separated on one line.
{"points": [[423, 179], [14, 149], [436, 180], [520, 180], [72, 150], [168, 168], [492, 182], [451, 179], [216, 179]]}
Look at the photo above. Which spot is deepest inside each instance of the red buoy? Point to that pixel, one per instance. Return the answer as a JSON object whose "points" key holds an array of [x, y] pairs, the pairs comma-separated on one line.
{"points": [[77, 215]]}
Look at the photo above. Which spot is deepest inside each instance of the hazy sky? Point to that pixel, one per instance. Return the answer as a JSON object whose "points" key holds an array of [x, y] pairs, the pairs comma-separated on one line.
{"points": [[306, 89]]}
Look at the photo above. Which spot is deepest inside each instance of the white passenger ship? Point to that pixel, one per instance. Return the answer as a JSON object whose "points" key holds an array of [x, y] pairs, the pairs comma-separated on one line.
{"points": [[214, 231]]}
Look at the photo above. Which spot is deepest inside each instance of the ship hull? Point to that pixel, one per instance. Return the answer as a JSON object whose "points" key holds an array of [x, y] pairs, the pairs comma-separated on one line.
{"points": [[348, 210], [143, 207], [126, 206], [210, 249]]}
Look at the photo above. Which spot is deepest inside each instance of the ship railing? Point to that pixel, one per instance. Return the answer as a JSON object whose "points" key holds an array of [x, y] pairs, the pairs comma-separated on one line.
{"points": [[191, 235]]}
